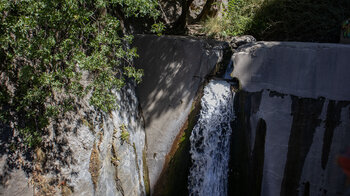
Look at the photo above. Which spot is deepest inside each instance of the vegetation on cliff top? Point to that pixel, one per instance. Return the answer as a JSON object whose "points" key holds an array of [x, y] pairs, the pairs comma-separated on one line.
{"points": [[282, 20]]}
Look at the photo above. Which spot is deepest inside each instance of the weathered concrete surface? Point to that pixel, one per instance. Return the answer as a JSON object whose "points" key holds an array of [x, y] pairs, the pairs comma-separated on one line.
{"points": [[174, 68], [295, 105], [301, 69]]}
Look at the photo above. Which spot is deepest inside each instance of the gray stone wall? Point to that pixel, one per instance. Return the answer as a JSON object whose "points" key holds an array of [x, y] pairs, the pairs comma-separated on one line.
{"points": [[85, 154], [293, 119]]}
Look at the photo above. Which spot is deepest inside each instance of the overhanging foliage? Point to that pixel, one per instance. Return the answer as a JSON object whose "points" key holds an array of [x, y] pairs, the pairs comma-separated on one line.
{"points": [[47, 45]]}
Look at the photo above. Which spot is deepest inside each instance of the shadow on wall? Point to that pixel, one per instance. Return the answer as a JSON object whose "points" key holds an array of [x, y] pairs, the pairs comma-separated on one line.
{"points": [[169, 80], [53, 155], [299, 20], [44, 165], [177, 81]]}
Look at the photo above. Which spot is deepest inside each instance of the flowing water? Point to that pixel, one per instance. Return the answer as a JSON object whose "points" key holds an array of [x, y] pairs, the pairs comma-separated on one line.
{"points": [[210, 141]]}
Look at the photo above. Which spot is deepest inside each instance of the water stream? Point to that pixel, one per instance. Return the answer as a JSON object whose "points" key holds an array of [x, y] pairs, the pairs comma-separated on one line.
{"points": [[210, 141]]}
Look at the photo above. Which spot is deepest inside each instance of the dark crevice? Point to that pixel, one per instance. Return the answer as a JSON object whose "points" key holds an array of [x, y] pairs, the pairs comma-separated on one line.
{"points": [[276, 94], [306, 189], [258, 158], [239, 178]]}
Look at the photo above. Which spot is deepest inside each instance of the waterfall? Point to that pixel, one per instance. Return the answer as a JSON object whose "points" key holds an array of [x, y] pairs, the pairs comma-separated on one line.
{"points": [[210, 141]]}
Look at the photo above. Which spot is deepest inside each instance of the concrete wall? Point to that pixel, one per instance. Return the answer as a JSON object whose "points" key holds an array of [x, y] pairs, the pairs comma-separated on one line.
{"points": [[174, 68], [293, 119]]}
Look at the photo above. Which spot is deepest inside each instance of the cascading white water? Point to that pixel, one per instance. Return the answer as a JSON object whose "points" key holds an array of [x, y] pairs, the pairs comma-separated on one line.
{"points": [[210, 141]]}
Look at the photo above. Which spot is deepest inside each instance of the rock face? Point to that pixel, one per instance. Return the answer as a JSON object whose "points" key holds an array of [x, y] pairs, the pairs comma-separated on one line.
{"points": [[293, 119], [101, 154], [110, 156], [174, 69]]}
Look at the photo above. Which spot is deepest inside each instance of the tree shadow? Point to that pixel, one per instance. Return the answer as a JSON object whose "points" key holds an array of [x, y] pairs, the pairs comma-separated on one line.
{"points": [[173, 72], [299, 20], [49, 158]]}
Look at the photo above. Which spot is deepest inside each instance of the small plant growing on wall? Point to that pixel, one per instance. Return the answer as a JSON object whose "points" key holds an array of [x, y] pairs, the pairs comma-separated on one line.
{"points": [[124, 136]]}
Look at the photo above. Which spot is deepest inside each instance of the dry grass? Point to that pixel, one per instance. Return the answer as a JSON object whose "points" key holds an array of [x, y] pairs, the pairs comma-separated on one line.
{"points": [[94, 166], [41, 184], [214, 27]]}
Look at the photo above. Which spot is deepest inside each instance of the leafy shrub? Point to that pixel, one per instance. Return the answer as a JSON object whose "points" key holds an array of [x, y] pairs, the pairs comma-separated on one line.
{"points": [[46, 45], [240, 14], [158, 28]]}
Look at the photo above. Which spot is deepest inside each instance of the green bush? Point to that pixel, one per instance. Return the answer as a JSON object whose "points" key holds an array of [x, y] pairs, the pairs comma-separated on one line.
{"points": [[46, 45], [236, 19], [240, 14]]}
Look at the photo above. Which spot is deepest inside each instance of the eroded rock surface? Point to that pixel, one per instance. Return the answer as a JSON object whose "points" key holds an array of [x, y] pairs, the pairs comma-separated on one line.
{"points": [[90, 153]]}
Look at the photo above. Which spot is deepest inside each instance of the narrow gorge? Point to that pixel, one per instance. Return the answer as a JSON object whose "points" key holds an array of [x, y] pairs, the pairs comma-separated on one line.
{"points": [[273, 124]]}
